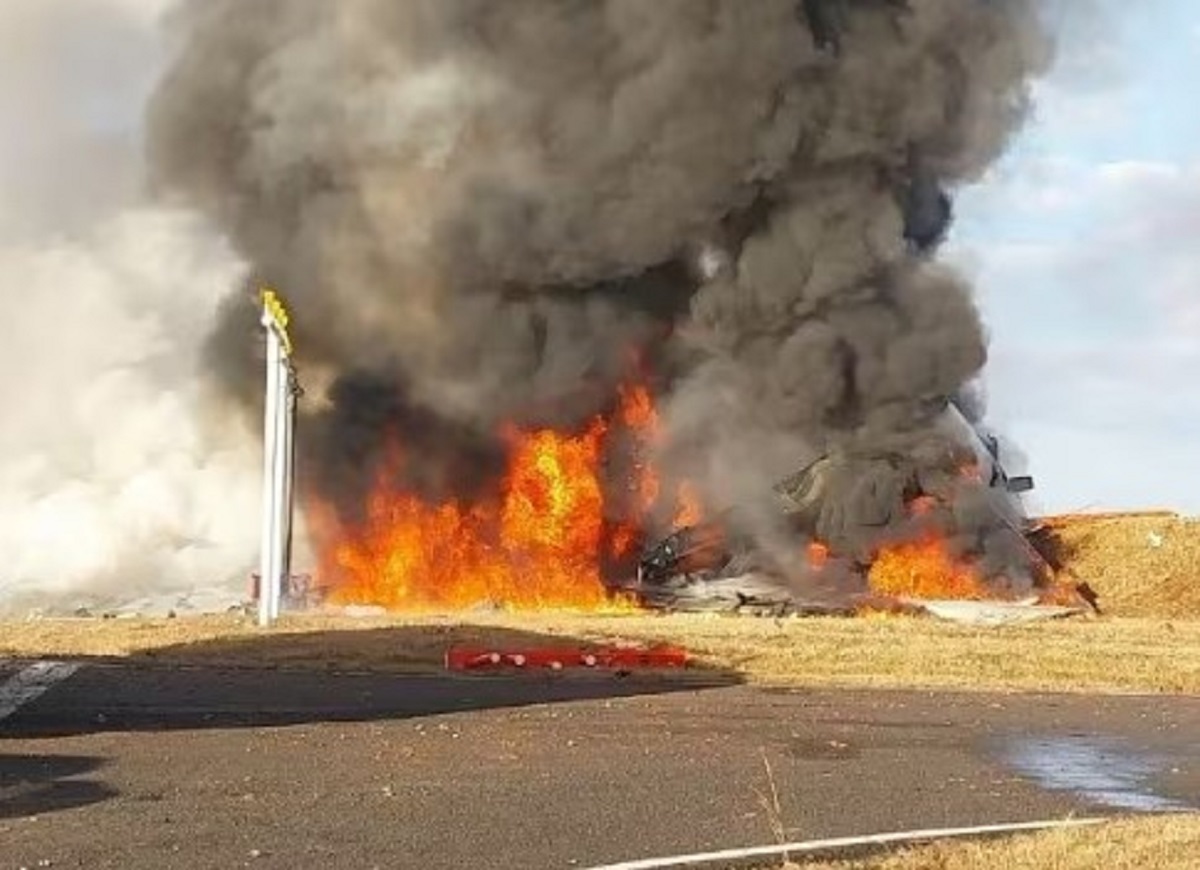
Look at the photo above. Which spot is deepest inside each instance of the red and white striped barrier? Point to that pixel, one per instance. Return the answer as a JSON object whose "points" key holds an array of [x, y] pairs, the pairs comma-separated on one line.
{"points": [[610, 657]]}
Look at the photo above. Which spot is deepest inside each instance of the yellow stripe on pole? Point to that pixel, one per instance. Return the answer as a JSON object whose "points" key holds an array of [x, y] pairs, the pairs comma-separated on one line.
{"points": [[275, 309]]}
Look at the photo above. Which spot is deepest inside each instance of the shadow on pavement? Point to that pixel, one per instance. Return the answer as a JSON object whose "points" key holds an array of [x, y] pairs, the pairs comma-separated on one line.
{"points": [[33, 785], [355, 675]]}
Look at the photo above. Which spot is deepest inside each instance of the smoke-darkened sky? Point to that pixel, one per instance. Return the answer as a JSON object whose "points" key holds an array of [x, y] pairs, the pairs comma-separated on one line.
{"points": [[469, 202]]}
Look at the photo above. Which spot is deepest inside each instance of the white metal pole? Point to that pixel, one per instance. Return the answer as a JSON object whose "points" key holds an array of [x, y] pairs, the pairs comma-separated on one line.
{"points": [[287, 503], [279, 480], [268, 575]]}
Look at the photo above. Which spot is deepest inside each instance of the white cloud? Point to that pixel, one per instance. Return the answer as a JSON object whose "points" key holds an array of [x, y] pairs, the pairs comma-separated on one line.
{"points": [[1096, 332], [1085, 468], [1155, 210]]}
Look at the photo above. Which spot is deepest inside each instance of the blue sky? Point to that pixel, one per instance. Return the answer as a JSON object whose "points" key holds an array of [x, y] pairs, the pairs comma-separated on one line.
{"points": [[1084, 243]]}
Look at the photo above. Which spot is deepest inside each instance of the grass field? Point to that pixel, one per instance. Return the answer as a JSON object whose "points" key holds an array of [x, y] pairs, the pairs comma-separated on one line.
{"points": [[1143, 565], [1160, 842], [1146, 568], [1108, 655]]}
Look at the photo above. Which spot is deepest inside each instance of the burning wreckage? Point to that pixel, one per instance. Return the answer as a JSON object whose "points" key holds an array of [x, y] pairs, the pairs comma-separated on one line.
{"points": [[710, 567], [719, 218]]}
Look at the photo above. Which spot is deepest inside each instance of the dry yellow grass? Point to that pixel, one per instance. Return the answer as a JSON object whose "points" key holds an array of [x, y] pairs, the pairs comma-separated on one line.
{"points": [[1160, 842], [1143, 565], [1105, 655], [1146, 568]]}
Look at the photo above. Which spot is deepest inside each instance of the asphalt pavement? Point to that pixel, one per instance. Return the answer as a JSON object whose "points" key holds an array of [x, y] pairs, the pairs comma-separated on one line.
{"points": [[158, 767]]}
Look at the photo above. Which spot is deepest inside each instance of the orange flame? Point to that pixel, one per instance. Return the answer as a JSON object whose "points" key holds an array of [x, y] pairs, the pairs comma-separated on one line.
{"points": [[971, 471], [924, 569], [817, 554], [538, 546], [638, 414], [689, 510], [544, 538], [541, 542], [922, 506]]}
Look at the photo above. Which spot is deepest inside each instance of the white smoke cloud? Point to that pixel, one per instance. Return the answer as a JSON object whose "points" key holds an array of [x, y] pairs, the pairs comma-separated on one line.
{"points": [[119, 474]]}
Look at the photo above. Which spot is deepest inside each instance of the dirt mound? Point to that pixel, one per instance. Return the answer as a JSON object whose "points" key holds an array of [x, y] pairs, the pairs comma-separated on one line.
{"points": [[1141, 564]]}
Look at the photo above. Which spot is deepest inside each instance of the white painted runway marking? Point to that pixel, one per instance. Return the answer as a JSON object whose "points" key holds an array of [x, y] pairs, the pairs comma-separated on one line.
{"points": [[31, 683], [841, 843]]}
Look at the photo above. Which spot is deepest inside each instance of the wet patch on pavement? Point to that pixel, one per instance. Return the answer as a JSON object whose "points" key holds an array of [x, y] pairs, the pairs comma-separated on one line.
{"points": [[1101, 770]]}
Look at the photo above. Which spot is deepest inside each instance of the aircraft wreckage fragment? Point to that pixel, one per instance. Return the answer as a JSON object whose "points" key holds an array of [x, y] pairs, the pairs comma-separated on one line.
{"points": [[707, 567]]}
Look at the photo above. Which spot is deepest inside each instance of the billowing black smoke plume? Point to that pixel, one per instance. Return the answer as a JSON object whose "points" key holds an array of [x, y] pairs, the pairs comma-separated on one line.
{"points": [[478, 208]]}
